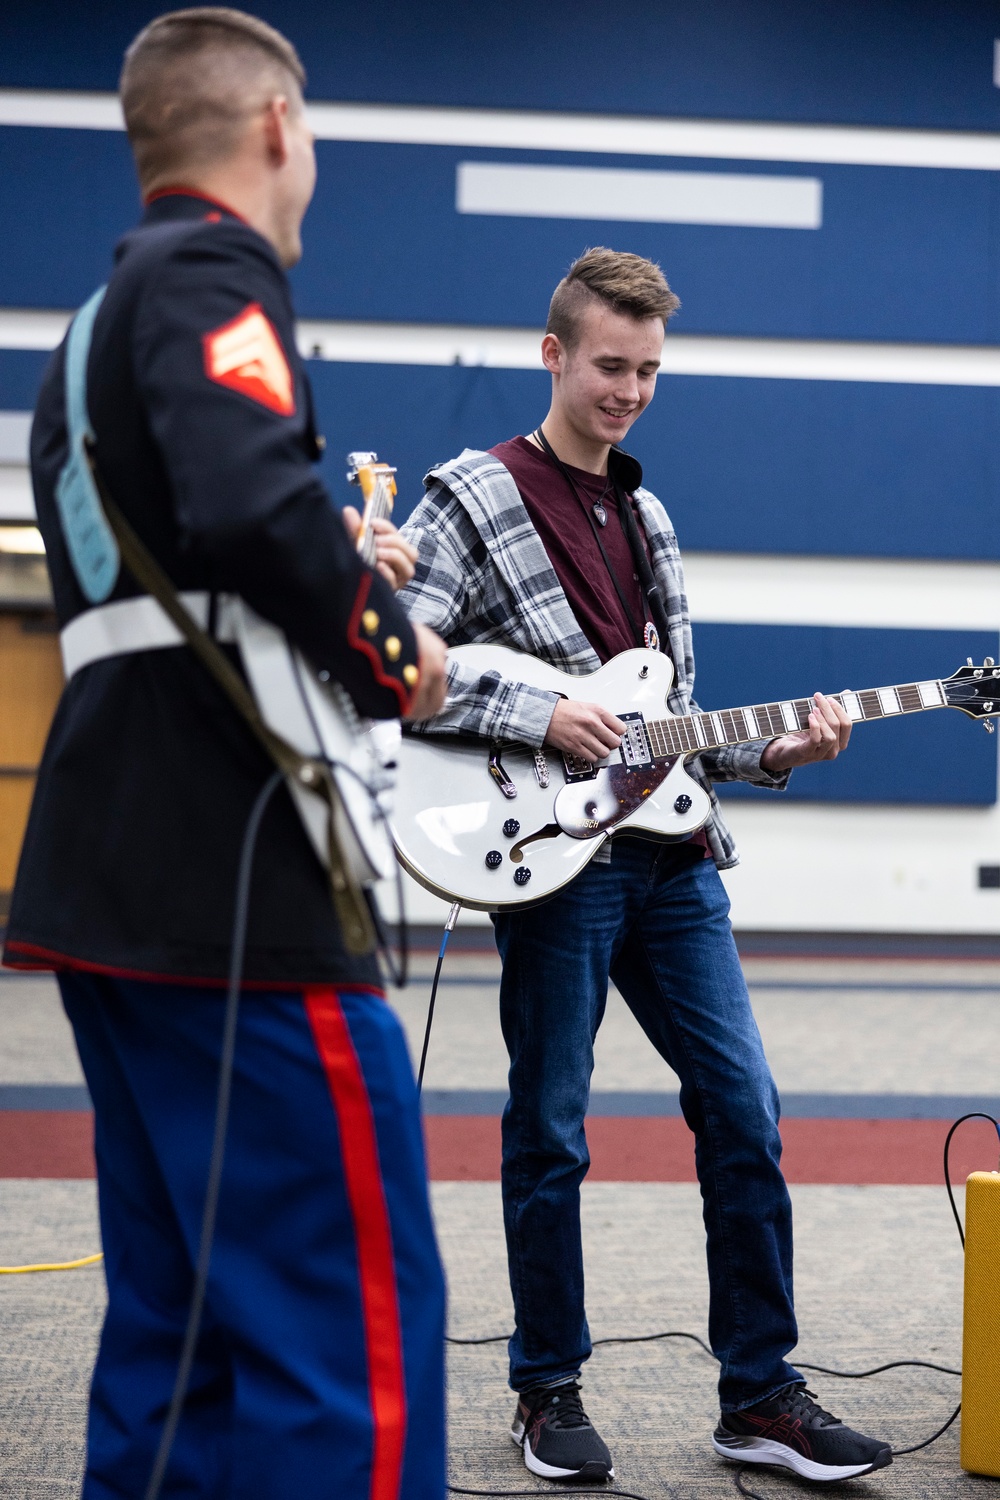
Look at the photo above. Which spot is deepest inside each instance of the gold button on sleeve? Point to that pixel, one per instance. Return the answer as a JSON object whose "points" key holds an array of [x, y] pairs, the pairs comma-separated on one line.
{"points": [[370, 621], [410, 675], [393, 647]]}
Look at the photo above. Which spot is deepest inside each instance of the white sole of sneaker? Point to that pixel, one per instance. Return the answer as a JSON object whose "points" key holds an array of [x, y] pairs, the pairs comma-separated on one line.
{"points": [[751, 1450], [544, 1471]]}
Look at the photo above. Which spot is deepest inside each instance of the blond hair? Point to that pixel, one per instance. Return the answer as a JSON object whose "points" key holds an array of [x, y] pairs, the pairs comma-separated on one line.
{"points": [[191, 81], [628, 283]]}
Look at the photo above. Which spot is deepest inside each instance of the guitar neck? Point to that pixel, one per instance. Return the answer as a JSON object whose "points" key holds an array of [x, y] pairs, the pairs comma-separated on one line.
{"points": [[738, 726], [377, 507]]}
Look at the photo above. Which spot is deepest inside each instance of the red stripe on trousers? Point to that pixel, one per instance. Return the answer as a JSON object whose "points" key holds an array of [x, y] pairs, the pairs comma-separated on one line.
{"points": [[373, 1237]]}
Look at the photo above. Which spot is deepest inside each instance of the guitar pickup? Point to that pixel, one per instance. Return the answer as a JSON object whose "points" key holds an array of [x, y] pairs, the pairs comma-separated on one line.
{"points": [[634, 748], [578, 768]]}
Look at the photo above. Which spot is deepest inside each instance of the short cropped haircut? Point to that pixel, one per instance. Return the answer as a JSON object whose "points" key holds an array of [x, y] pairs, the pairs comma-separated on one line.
{"points": [[628, 283], [192, 80]]}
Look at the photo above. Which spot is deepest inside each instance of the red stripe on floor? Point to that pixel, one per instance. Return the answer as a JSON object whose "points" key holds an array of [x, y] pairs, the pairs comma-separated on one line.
{"points": [[467, 1148], [46, 1143]]}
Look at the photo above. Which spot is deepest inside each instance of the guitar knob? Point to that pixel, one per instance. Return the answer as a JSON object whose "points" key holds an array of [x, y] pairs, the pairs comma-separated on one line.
{"points": [[494, 860], [682, 804], [511, 828], [522, 876]]}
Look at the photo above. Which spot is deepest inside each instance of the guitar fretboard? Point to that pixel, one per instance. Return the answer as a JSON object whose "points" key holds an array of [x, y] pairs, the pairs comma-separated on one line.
{"points": [[736, 726], [377, 508]]}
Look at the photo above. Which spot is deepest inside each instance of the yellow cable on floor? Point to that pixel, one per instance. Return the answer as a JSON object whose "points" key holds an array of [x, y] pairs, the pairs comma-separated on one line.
{"points": [[56, 1265]]}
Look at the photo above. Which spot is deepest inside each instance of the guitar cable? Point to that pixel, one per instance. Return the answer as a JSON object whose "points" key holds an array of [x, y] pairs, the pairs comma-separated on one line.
{"points": [[738, 1472]]}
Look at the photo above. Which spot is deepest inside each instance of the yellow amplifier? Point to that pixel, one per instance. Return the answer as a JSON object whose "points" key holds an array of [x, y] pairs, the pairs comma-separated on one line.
{"points": [[980, 1451]]}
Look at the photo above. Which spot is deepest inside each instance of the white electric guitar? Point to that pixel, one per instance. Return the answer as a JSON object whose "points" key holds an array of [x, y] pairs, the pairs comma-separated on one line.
{"points": [[317, 716], [496, 826]]}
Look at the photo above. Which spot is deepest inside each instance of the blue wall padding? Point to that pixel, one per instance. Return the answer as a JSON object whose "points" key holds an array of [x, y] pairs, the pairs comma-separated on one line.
{"points": [[894, 62], [741, 465], [824, 467], [902, 254], [20, 377], [66, 197], [936, 757]]}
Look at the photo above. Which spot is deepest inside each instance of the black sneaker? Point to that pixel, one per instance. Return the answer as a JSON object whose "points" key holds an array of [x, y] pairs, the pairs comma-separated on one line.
{"points": [[790, 1430], [557, 1437]]}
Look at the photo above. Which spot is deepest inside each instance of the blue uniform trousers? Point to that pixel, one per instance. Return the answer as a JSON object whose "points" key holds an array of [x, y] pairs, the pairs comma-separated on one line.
{"points": [[319, 1371]]}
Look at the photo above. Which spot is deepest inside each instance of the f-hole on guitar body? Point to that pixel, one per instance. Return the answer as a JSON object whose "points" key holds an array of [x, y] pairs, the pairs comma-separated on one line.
{"points": [[501, 825]]}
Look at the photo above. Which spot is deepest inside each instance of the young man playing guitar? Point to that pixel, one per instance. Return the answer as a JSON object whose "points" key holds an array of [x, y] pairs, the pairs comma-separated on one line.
{"points": [[549, 545]]}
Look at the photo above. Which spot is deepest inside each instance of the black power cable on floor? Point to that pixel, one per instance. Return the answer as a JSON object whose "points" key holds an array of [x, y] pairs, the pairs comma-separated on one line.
{"points": [[554, 1493], [645, 1338]]}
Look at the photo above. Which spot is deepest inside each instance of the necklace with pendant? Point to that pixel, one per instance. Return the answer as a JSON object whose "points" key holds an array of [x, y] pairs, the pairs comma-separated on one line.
{"points": [[598, 506]]}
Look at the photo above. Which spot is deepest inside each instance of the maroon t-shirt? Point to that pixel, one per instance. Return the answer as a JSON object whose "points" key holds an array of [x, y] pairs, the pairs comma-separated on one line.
{"points": [[569, 540]]}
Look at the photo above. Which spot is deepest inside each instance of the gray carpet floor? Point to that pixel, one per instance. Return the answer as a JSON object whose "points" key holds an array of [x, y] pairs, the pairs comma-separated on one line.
{"points": [[878, 1272], [879, 1269]]}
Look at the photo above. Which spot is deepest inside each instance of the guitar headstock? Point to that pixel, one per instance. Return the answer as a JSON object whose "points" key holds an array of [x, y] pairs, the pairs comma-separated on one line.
{"points": [[364, 470], [975, 690]]}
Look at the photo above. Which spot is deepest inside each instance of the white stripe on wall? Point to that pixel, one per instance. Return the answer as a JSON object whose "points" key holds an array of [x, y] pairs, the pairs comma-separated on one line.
{"points": [[683, 354], [648, 197], [518, 349], [17, 503], [27, 328], [15, 428], [877, 593], [538, 130]]}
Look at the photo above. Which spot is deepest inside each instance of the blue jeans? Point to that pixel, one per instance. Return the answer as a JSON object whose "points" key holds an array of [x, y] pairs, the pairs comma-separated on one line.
{"points": [[656, 919]]}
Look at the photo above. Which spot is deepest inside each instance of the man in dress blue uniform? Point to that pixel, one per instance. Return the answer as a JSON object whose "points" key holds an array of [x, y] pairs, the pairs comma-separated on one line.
{"points": [[319, 1364]]}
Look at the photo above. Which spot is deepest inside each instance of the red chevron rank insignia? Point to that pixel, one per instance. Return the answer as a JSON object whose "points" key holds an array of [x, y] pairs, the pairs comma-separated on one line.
{"points": [[246, 355]]}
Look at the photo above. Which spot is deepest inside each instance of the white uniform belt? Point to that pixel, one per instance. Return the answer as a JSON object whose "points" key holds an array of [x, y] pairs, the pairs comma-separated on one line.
{"points": [[130, 625]]}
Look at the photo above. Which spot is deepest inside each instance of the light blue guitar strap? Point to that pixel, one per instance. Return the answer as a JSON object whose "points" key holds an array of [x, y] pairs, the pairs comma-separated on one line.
{"points": [[90, 542]]}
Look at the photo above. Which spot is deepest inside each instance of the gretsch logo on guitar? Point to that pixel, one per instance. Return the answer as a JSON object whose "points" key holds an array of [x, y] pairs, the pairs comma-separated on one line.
{"points": [[495, 826]]}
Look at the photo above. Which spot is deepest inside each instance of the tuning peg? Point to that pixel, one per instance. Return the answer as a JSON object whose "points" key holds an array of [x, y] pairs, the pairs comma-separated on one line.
{"points": [[989, 662], [988, 725], [968, 661]]}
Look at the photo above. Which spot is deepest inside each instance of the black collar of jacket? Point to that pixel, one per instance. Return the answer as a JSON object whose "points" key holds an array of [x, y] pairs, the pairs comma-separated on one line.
{"points": [[186, 203], [624, 471]]}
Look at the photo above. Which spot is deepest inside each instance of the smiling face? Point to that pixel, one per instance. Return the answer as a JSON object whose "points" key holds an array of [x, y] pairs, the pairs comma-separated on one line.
{"points": [[605, 380]]}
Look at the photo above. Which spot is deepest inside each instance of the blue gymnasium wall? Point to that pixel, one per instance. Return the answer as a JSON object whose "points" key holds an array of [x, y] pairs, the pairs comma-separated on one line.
{"points": [[822, 467]]}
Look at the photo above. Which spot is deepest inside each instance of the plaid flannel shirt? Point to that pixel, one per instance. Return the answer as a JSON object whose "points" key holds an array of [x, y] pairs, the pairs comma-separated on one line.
{"points": [[483, 575]]}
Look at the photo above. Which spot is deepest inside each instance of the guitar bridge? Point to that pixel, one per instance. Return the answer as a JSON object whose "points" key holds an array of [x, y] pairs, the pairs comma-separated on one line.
{"points": [[634, 748]]}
